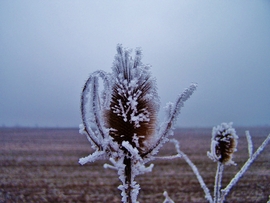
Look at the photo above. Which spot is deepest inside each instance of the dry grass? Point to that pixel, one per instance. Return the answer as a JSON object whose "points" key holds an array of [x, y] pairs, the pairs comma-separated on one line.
{"points": [[41, 165]]}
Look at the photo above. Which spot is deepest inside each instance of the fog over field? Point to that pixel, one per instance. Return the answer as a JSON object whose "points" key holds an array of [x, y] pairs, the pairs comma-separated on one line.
{"points": [[49, 48]]}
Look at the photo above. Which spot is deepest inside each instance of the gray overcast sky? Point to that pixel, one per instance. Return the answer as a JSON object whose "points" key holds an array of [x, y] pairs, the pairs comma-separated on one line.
{"points": [[49, 48]]}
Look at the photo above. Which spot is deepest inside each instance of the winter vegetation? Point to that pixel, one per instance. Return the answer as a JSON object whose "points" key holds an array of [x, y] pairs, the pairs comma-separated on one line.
{"points": [[124, 115], [119, 118], [223, 145]]}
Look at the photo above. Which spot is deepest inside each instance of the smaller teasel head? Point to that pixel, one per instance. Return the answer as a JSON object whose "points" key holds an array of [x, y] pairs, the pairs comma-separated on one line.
{"points": [[223, 143]]}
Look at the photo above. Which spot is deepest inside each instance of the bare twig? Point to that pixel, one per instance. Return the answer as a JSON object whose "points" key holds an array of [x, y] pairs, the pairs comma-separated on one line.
{"points": [[250, 144], [194, 169], [220, 167], [167, 126]]}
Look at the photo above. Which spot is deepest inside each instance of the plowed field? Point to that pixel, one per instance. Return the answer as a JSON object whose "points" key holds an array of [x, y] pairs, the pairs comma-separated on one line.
{"points": [[41, 165]]}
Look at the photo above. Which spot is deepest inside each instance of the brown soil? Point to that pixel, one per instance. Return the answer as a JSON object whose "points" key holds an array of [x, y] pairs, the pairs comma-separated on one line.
{"points": [[41, 165]]}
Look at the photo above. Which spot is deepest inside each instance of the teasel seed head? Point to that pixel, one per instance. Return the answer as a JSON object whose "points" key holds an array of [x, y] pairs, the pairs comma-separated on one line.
{"points": [[133, 109], [224, 143]]}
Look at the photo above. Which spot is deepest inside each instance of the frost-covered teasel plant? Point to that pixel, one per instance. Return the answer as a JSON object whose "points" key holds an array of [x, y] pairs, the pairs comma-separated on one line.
{"points": [[223, 145], [120, 119]]}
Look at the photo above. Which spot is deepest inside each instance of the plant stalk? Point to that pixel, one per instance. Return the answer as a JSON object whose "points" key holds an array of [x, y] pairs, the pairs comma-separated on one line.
{"points": [[128, 175], [218, 179]]}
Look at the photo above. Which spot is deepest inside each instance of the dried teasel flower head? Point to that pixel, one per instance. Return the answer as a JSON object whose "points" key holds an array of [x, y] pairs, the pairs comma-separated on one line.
{"points": [[120, 109], [223, 143], [120, 118], [134, 102]]}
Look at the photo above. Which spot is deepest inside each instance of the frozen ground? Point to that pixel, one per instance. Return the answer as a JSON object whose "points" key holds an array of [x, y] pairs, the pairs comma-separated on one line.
{"points": [[41, 165]]}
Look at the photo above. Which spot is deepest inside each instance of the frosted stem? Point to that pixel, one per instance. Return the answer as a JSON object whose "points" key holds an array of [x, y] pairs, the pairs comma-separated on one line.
{"points": [[179, 103], [96, 107], [169, 157], [250, 145], [244, 168], [90, 97], [218, 179], [87, 129], [90, 136], [199, 177], [173, 116], [128, 168], [195, 170], [126, 172], [109, 166]]}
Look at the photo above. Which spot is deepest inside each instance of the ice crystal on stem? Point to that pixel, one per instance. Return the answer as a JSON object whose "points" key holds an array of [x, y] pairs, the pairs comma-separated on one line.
{"points": [[120, 122]]}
